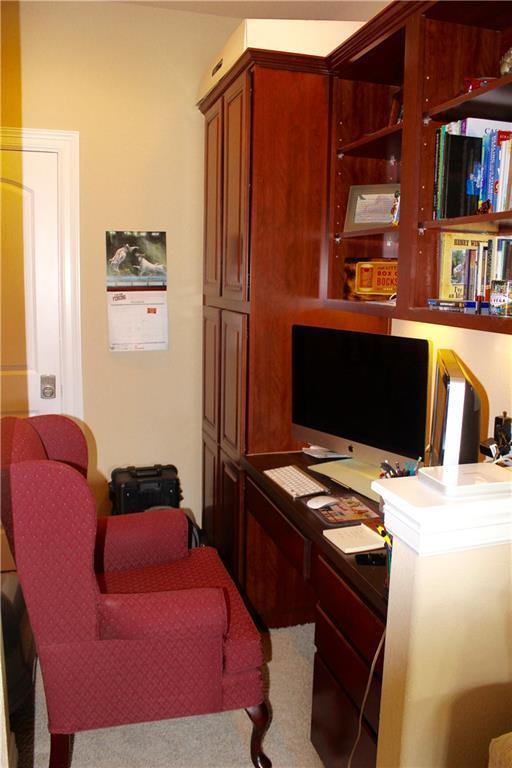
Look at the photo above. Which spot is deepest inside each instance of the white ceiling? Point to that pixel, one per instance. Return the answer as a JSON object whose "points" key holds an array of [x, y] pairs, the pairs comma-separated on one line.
{"points": [[357, 10]]}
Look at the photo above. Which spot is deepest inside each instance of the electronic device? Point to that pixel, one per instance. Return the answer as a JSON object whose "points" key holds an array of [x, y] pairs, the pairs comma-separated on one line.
{"points": [[362, 394], [321, 501], [455, 436], [371, 558], [294, 481], [469, 480]]}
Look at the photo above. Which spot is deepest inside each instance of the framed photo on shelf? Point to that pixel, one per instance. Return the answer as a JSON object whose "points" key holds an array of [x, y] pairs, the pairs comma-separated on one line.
{"points": [[372, 205]]}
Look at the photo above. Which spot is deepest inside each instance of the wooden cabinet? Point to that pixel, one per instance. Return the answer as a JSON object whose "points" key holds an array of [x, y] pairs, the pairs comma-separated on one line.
{"points": [[347, 637], [394, 83], [233, 354], [276, 558], [213, 200]]}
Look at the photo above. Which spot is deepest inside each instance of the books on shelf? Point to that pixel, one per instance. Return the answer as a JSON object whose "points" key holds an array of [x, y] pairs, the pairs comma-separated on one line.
{"points": [[468, 265], [472, 171]]}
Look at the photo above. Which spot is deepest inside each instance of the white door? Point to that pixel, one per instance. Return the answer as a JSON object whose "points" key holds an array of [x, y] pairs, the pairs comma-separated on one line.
{"points": [[40, 366]]}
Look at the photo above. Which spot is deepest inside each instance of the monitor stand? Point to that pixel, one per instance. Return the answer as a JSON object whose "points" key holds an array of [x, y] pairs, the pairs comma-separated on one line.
{"points": [[351, 473]]}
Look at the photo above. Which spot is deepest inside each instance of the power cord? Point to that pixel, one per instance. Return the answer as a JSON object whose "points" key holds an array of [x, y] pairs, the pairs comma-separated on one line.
{"points": [[363, 703]]}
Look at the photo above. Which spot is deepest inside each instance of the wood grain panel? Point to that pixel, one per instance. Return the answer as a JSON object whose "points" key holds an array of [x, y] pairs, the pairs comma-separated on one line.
{"points": [[210, 483], [347, 667], [227, 514], [233, 382], [213, 200], [346, 609], [211, 363], [334, 723], [234, 246], [290, 175], [291, 543], [471, 50], [275, 588]]}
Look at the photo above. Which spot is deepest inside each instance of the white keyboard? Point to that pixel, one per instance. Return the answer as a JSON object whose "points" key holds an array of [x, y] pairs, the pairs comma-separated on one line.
{"points": [[294, 481]]}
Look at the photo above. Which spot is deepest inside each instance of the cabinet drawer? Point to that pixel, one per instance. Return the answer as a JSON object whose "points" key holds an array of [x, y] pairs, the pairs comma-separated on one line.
{"points": [[346, 609], [334, 724], [348, 667], [286, 537]]}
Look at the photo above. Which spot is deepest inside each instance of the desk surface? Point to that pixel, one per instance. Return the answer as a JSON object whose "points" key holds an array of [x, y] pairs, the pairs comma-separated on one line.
{"points": [[368, 580]]}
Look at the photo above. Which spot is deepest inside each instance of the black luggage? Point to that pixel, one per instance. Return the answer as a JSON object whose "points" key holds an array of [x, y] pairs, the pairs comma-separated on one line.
{"points": [[135, 489]]}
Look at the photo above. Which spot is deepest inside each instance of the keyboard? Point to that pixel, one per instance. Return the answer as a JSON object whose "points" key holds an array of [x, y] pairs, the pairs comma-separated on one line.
{"points": [[294, 481]]}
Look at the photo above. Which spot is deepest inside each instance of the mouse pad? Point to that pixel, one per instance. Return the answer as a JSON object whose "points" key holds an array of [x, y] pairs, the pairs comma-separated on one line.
{"points": [[347, 511]]}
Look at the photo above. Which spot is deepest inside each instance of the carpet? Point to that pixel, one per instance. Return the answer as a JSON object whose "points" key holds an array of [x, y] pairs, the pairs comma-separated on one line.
{"points": [[220, 740]]}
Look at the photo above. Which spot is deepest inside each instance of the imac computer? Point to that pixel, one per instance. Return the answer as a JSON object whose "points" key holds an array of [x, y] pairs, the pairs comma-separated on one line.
{"points": [[363, 395], [455, 436]]}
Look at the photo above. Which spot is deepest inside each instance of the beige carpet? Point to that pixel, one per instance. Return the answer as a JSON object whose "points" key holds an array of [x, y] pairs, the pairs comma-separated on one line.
{"points": [[220, 741]]}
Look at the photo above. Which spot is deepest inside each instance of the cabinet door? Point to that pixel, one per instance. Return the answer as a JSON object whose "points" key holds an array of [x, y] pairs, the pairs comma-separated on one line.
{"points": [[211, 363], [334, 724], [227, 514], [213, 200], [210, 488], [235, 194], [274, 559], [233, 382]]}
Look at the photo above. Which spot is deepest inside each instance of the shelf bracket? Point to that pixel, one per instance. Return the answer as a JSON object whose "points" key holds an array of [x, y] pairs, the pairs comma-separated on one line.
{"points": [[421, 231], [426, 120], [339, 154]]}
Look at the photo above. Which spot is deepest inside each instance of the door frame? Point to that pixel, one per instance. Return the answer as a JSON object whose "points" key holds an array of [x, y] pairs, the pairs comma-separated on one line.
{"points": [[66, 145]]}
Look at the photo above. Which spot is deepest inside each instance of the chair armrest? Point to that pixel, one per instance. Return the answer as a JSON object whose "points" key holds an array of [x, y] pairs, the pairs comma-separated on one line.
{"points": [[184, 614], [63, 440], [141, 539]]}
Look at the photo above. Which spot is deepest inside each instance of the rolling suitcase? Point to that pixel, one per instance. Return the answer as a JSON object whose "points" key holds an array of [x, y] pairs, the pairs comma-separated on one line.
{"points": [[135, 489]]}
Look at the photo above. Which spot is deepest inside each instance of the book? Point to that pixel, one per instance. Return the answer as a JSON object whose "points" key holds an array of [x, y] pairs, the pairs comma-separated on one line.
{"points": [[455, 258], [459, 193], [356, 538]]}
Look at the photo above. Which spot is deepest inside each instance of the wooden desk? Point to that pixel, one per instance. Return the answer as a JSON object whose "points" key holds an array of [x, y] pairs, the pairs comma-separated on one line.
{"points": [[292, 574]]}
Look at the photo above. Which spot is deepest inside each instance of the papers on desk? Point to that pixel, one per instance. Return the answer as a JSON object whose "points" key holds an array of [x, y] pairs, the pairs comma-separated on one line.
{"points": [[357, 538]]}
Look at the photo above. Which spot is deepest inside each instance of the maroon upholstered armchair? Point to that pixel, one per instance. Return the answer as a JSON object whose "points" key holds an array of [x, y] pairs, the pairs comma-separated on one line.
{"points": [[160, 632]]}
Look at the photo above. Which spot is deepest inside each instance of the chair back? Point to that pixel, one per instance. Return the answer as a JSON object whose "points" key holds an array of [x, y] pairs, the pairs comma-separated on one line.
{"points": [[19, 442], [63, 440], [55, 550]]}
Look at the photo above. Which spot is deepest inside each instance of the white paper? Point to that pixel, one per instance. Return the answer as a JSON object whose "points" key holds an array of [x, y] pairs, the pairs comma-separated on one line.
{"points": [[137, 320]]}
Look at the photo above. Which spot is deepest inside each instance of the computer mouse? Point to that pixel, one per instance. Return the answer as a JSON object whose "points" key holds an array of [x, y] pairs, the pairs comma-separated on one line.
{"points": [[321, 501]]}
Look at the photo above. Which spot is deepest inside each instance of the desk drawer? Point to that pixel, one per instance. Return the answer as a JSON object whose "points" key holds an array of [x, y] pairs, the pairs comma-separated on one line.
{"points": [[334, 724], [347, 610], [347, 667], [286, 537]]}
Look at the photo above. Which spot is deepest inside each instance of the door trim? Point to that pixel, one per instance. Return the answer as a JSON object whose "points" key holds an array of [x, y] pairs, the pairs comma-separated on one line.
{"points": [[66, 145]]}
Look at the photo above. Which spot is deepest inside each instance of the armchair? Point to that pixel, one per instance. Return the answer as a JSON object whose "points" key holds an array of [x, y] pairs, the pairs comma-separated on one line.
{"points": [[156, 631]]}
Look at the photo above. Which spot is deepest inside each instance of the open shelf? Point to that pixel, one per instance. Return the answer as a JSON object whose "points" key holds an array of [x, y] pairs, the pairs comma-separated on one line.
{"points": [[380, 308], [383, 144], [492, 323], [368, 232], [493, 223], [492, 102]]}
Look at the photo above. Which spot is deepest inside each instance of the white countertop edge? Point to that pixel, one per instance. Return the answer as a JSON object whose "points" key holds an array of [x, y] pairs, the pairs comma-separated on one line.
{"points": [[447, 524]]}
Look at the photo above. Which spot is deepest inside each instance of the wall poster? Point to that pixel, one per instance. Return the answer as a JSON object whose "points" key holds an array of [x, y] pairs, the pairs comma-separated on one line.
{"points": [[136, 265]]}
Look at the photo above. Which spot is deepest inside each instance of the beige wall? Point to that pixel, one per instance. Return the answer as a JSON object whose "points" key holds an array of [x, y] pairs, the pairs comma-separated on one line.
{"points": [[487, 355], [125, 76]]}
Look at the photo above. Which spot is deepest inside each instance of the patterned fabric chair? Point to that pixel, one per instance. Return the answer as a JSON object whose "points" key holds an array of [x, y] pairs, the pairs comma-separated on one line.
{"points": [[156, 631]]}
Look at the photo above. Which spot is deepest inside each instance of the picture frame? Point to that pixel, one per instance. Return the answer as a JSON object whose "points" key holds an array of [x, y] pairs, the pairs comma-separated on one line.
{"points": [[372, 205]]}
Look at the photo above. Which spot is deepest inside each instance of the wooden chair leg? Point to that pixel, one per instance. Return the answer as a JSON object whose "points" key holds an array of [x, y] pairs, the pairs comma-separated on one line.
{"points": [[60, 751], [260, 717]]}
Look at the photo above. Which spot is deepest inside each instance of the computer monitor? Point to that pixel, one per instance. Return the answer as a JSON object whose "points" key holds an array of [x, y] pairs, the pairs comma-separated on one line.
{"points": [[361, 394], [455, 436]]}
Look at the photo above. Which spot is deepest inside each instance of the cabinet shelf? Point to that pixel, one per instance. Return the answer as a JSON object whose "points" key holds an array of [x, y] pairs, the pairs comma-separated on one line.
{"points": [[379, 308], [383, 144], [491, 323], [370, 232], [492, 223], [492, 102]]}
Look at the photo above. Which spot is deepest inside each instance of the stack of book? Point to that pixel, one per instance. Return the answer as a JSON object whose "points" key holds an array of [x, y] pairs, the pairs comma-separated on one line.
{"points": [[468, 265], [472, 168]]}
